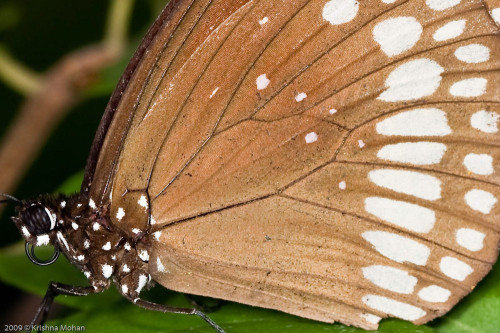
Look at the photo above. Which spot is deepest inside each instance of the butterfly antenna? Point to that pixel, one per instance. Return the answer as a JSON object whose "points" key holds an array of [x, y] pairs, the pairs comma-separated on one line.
{"points": [[10, 198]]}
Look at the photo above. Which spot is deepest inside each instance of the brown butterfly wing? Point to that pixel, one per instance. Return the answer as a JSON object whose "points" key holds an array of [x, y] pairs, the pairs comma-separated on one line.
{"points": [[340, 166]]}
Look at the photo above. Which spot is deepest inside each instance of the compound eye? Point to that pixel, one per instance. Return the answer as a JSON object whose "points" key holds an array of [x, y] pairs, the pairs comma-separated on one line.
{"points": [[38, 219]]}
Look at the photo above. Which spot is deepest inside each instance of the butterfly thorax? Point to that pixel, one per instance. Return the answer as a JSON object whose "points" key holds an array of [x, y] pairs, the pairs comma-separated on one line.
{"points": [[84, 233]]}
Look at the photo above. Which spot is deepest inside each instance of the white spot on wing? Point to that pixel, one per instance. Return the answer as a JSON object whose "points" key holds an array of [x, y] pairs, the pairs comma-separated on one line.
{"points": [[398, 248], [480, 164], [42, 240], [62, 240], [361, 143], [157, 235], [86, 244], [25, 231], [63, 204], [96, 226], [471, 239], [454, 268], [473, 53], [442, 4], [311, 137], [434, 294], [136, 231], [332, 111], [52, 218], [125, 269], [371, 318], [159, 265], [262, 82], [480, 200], [92, 204], [495, 14], [214, 92], [418, 122], [144, 255], [107, 271], [393, 307], [397, 35], [264, 20], [473, 87], [143, 201], [143, 279], [107, 246], [450, 30], [485, 121], [124, 288], [74, 225], [300, 96], [120, 214], [81, 257], [340, 11], [417, 153], [413, 183], [390, 278], [342, 185]]}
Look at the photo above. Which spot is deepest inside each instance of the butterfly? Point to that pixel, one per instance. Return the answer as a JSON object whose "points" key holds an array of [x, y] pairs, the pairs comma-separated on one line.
{"points": [[332, 159]]}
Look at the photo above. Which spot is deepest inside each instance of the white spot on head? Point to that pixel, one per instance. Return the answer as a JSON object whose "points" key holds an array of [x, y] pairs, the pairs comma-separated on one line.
{"points": [[450, 30], [485, 121], [393, 307], [473, 53], [262, 82], [25, 231], [340, 11], [469, 87], [361, 143], [143, 279], [342, 185], [107, 246], [398, 248], [404, 214], [136, 231], [96, 226], [81, 257], [471, 239], [42, 240], [311, 137], [495, 14], [390, 278], [157, 235], [125, 269], [412, 80], [124, 288], [264, 20], [61, 238], [418, 122], [434, 294], [371, 318], [120, 214], [127, 246], [159, 265], [442, 4], [92, 204], [143, 201], [417, 153], [300, 96], [74, 225], [144, 255], [333, 111], [480, 200], [86, 244], [413, 183], [454, 268], [480, 164], [63, 204], [107, 271], [397, 35], [214, 92]]}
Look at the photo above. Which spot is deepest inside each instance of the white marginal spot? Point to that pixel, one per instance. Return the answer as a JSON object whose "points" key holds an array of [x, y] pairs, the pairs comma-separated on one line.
{"points": [[397, 35], [454, 268], [92, 204], [159, 265], [143, 279], [417, 153], [124, 288], [136, 231], [86, 244], [371, 318], [143, 201], [74, 225], [62, 240], [157, 235], [300, 96], [412, 80], [107, 271], [144, 255], [340, 11], [480, 200], [495, 14], [63, 204], [120, 214], [262, 82], [473, 87], [361, 143], [473, 53], [214, 92], [398, 248], [450, 30], [42, 240], [342, 185], [485, 121], [125, 269], [480, 164], [390, 278], [25, 231], [471, 239], [434, 294], [393, 307], [418, 122], [311, 137], [442, 4], [413, 183], [264, 20], [107, 246], [404, 214]]}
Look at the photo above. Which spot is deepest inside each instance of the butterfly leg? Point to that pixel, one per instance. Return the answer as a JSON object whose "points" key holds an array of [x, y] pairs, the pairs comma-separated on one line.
{"points": [[55, 289], [205, 304]]}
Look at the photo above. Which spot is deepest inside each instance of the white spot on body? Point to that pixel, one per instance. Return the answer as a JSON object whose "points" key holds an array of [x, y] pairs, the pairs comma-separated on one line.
{"points": [[398, 248], [342, 185], [390, 278], [397, 35], [214, 92], [485, 121], [25, 231], [417, 153], [42, 240], [412, 80], [413, 183], [300, 96], [143, 279], [125, 269], [92, 204], [124, 289], [264, 20], [442, 4], [495, 14], [473, 87], [361, 143], [120, 214], [311, 137], [159, 265], [454, 268], [63, 204], [434, 294], [262, 82], [473, 53], [107, 246], [404, 214], [107, 271], [96, 226], [62, 240], [371, 318], [471, 239], [480, 200], [480, 164], [393, 307], [144, 255], [143, 201], [418, 122], [74, 225], [340, 11], [450, 30]]}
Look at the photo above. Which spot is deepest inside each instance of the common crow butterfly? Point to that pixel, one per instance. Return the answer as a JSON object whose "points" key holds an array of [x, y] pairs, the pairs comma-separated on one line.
{"points": [[333, 159]]}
